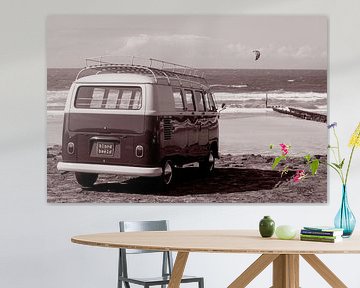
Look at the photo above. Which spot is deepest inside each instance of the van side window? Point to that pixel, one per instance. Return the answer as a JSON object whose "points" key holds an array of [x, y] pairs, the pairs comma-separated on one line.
{"points": [[178, 99], [207, 102], [211, 102], [189, 97], [112, 97], [199, 101]]}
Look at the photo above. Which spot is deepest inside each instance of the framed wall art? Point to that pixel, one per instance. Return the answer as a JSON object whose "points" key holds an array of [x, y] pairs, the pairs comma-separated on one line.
{"points": [[186, 109]]}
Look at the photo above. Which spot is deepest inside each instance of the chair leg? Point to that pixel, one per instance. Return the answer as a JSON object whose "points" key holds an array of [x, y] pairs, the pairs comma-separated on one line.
{"points": [[201, 283]]}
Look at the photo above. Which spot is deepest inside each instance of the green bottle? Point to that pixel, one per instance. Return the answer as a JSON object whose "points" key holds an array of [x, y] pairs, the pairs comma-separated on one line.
{"points": [[267, 227]]}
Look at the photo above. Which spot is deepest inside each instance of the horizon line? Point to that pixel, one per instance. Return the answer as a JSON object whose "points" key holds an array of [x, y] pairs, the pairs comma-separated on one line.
{"points": [[318, 69]]}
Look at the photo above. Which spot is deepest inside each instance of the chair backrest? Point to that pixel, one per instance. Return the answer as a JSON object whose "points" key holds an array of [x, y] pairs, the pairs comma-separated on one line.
{"points": [[134, 226]]}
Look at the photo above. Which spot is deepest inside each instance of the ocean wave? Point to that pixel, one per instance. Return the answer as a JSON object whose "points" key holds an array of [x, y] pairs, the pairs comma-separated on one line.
{"points": [[57, 96], [277, 95], [230, 86], [236, 110], [55, 112], [238, 102]]}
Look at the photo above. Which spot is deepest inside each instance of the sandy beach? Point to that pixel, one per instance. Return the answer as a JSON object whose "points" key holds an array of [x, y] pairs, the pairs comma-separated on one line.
{"points": [[236, 179]]}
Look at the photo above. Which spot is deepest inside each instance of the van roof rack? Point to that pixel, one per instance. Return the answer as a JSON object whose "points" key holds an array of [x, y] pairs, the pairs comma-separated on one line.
{"points": [[158, 69]]}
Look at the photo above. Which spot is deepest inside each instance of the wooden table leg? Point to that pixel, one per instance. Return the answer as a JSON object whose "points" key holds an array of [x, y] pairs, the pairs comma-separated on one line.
{"points": [[293, 261], [178, 270], [253, 270], [286, 271], [324, 271]]}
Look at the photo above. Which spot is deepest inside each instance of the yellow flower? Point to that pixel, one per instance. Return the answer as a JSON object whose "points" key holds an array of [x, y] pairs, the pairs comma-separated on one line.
{"points": [[355, 138]]}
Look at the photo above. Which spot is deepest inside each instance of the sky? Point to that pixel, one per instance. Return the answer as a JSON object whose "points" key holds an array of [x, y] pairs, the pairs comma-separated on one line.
{"points": [[199, 41]]}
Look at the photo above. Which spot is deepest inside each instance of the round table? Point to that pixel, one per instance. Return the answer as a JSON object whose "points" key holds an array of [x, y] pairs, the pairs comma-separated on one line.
{"points": [[284, 254]]}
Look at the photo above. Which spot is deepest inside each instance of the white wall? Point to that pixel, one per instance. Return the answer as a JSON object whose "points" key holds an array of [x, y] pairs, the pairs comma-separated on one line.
{"points": [[35, 248]]}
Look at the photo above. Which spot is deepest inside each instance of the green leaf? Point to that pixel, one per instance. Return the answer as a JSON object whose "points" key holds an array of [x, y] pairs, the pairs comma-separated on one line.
{"points": [[307, 158], [277, 161], [314, 165], [342, 164], [271, 146], [335, 168], [337, 165]]}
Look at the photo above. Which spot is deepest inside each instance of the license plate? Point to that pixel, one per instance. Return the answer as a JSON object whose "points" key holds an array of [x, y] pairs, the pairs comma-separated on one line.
{"points": [[105, 148]]}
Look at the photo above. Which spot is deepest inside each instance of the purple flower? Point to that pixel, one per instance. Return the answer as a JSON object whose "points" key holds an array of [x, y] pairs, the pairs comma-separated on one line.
{"points": [[332, 125]]}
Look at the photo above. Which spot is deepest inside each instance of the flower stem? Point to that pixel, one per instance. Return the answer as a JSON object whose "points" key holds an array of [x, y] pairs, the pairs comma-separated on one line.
{"points": [[351, 156], [337, 143], [334, 154], [339, 155]]}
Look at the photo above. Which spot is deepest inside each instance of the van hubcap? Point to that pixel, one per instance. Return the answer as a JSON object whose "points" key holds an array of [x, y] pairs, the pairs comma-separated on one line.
{"points": [[168, 172]]}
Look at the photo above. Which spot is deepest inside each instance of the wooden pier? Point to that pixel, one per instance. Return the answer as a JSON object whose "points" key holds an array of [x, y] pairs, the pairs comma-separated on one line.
{"points": [[303, 114]]}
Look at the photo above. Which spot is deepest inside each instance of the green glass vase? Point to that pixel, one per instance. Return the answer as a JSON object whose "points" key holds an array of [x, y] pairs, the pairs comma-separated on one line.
{"points": [[266, 227]]}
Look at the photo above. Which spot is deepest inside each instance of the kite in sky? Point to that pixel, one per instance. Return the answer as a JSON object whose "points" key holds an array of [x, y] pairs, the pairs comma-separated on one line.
{"points": [[257, 54]]}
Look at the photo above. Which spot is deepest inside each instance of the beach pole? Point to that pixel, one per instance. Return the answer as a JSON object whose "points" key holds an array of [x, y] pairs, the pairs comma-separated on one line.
{"points": [[266, 100]]}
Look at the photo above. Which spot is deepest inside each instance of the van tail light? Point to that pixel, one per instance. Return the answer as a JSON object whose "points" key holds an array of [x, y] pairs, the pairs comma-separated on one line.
{"points": [[71, 148], [139, 151]]}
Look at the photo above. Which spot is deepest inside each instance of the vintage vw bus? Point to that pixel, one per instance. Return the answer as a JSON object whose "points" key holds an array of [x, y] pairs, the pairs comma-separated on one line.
{"points": [[138, 120]]}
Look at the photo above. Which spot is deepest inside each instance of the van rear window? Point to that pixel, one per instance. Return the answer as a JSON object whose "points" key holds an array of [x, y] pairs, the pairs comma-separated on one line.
{"points": [[116, 98]]}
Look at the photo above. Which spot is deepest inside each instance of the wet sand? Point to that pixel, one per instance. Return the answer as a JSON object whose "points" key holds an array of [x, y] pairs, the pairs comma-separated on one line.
{"points": [[236, 179]]}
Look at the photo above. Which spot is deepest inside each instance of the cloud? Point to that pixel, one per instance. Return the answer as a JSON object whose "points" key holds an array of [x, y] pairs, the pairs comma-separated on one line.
{"points": [[304, 52], [201, 51], [136, 41], [239, 50], [187, 47], [141, 41]]}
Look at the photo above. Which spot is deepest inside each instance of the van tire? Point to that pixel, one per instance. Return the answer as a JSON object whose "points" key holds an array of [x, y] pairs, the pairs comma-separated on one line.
{"points": [[207, 166], [86, 180]]}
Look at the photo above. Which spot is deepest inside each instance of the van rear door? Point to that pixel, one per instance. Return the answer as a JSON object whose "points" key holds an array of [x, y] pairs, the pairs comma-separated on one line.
{"points": [[107, 109], [104, 120]]}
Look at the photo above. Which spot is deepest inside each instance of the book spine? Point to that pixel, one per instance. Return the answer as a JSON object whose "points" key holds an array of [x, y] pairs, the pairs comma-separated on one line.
{"points": [[319, 236], [318, 239], [319, 233]]}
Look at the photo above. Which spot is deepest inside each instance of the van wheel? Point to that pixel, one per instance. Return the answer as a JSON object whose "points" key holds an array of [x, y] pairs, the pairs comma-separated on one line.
{"points": [[207, 166], [86, 179], [167, 176]]}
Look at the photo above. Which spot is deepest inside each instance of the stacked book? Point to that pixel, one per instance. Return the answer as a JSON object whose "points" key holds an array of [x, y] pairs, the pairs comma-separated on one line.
{"points": [[321, 234]]}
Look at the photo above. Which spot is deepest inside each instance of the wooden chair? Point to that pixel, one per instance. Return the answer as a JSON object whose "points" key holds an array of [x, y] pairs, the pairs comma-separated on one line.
{"points": [[167, 262]]}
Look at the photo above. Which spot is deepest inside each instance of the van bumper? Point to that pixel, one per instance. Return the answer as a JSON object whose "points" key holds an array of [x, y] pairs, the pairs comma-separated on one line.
{"points": [[110, 169]]}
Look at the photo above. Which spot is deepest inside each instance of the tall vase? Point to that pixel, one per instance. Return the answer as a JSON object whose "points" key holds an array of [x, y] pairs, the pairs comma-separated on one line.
{"points": [[345, 219]]}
